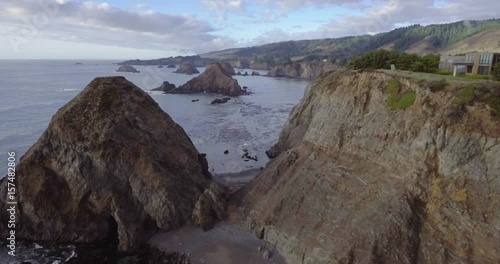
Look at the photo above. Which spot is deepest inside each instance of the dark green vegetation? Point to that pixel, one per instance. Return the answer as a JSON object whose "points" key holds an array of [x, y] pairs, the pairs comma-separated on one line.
{"points": [[496, 72], [339, 49], [397, 101], [382, 59], [437, 86], [488, 93]]}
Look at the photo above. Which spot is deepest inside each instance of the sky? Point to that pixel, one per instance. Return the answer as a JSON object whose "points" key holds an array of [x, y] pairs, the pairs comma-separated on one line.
{"points": [[149, 29]]}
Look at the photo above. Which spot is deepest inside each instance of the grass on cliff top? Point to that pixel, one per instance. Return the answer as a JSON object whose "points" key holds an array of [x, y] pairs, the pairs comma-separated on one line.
{"points": [[436, 77], [397, 101], [472, 93]]}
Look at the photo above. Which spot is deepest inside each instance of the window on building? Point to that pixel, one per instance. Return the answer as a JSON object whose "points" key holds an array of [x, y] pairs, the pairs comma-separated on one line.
{"points": [[483, 70], [470, 59], [485, 59]]}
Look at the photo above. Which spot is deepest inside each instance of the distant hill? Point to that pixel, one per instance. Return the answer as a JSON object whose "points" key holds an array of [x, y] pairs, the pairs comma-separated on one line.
{"points": [[459, 37]]}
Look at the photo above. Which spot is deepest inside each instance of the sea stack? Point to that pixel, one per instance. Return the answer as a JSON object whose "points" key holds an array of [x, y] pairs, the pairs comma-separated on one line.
{"points": [[127, 68], [111, 165], [165, 87], [214, 79], [187, 68]]}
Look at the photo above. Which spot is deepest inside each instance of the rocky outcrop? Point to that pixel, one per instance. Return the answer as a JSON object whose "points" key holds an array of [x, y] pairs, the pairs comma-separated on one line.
{"points": [[355, 181], [165, 87], [187, 68], [255, 73], [228, 69], [127, 68], [210, 207], [213, 80], [303, 70], [171, 66], [111, 165]]}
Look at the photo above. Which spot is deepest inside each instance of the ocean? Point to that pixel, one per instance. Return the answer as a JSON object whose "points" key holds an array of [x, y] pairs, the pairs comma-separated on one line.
{"points": [[32, 91]]}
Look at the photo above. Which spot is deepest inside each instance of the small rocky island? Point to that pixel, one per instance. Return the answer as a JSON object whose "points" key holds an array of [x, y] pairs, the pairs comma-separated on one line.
{"points": [[127, 68], [165, 87], [215, 79], [187, 68]]}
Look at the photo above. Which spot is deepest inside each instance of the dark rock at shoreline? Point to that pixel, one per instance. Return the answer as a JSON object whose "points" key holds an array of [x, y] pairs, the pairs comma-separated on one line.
{"points": [[160, 66], [238, 73], [111, 165], [195, 100], [213, 80], [187, 68], [211, 206], [127, 68], [255, 73], [245, 74], [219, 101], [171, 66], [165, 87]]}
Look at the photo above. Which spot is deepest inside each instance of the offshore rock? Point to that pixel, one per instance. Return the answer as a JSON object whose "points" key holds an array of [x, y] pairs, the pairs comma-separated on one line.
{"points": [[165, 87], [127, 68], [213, 80], [187, 68], [111, 165], [354, 181]]}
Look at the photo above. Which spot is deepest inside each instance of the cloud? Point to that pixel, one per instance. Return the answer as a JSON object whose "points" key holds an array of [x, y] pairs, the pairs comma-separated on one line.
{"points": [[101, 23], [222, 7]]}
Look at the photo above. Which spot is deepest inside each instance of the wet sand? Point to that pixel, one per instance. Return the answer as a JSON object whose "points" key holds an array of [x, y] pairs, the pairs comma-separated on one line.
{"points": [[224, 244]]}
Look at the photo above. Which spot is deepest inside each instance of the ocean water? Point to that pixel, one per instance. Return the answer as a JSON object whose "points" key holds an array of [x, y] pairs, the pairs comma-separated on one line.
{"points": [[32, 91]]}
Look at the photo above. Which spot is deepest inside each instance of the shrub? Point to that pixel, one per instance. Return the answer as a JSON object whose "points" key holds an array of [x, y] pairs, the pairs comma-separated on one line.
{"points": [[437, 86], [407, 100], [464, 97], [444, 72], [395, 100]]}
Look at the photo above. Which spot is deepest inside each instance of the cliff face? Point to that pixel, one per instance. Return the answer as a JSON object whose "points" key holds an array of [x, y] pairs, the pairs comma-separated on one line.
{"points": [[355, 181], [214, 79], [110, 165], [304, 70]]}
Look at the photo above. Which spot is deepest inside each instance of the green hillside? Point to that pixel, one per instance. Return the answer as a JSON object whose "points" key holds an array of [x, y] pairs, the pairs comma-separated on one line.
{"points": [[439, 37]]}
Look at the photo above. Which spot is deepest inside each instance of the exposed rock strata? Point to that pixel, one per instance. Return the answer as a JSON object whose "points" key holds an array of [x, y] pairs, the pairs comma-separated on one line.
{"points": [[110, 165], [213, 80], [211, 206], [357, 182], [303, 70]]}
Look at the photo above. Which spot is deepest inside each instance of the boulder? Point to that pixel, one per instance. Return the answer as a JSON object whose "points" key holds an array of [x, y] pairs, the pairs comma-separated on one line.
{"points": [[127, 68], [187, 68], [219, 101], [171, 66], [213, 80], [211, 206], [160, 66], [255, 73], [110, 166], [245, 73], [165, 87]]}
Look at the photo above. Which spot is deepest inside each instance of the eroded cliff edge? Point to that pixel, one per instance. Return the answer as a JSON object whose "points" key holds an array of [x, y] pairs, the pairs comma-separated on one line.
{"points": [[110, 166], [355, 181]]}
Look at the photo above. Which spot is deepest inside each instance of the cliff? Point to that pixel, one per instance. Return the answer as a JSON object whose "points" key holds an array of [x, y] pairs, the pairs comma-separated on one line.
{"points": [[303, 70], [110, 166], [358, 179], [215, 79]]}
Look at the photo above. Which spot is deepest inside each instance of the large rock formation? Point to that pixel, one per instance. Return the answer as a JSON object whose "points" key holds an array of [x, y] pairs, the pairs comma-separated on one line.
{"points": [[358, 182], [187, 68], [213, 80], [303, 70], [127, 68], [228, 69], [110, 165], [165, 87]]}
